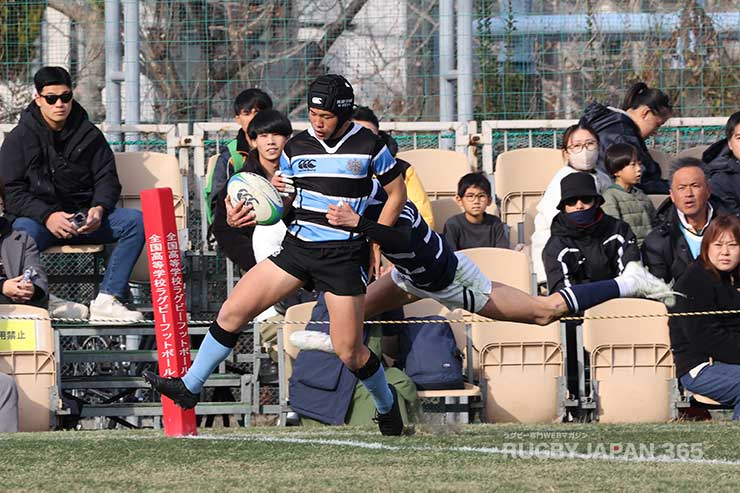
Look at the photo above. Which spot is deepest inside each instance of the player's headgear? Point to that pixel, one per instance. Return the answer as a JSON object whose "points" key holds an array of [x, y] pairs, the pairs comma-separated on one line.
{"points": [[332, 93]]}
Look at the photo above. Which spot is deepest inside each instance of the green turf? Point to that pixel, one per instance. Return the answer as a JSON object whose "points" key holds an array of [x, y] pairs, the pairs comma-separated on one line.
{"points": [[330, 459]]}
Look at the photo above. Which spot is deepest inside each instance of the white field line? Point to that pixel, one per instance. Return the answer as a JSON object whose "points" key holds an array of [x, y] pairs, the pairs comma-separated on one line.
{"points": [[518, 454], [336, 442]]}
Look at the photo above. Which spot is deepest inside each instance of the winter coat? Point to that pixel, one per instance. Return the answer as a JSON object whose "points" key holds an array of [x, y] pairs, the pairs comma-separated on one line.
{"points": [[18, 252], [46, 171], [633, 207], [615, 126], [665, 251], [577, 255], [724, 174], [695, 339], [547, 209]]}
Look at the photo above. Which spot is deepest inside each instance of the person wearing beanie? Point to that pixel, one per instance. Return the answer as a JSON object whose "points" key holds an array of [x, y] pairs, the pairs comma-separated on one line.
{"points": [[586, 245], [328, 166]]}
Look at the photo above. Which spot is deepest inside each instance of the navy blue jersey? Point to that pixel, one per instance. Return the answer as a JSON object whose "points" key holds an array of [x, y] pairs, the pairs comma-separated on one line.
{"points": [[424, 256], [330, 172]]}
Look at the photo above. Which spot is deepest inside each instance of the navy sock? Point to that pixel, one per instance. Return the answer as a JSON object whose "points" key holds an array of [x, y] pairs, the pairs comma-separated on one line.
{"points": [[581, 297], [214, 349], [373, 378]]}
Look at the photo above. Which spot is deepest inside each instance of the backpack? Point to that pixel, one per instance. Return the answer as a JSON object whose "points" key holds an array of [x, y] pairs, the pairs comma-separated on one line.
{"points": [[430, 357], [237, 161]]}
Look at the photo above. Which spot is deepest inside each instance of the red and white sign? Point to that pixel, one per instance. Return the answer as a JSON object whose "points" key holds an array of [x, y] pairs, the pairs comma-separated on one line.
{"points": [[168, 300]]}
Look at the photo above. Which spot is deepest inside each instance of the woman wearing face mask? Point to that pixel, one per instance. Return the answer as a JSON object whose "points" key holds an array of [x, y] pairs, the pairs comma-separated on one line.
{"points": [[643, 112], [580, 148], [706, 349], [586, 245]]}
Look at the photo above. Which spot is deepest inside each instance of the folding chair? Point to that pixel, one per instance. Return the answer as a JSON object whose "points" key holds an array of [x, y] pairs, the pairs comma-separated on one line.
{"points": [[457, 402], [664, 160], [521, 178], [695, 152], [28, 357], [139, 171], [632, 374], [438, 169]]}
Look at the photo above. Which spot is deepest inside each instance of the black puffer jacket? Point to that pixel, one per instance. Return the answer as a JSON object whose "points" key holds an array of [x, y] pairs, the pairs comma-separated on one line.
{"points": [[46, 172], [665, 251], [724, 174], [576, 255], [614, 126]]}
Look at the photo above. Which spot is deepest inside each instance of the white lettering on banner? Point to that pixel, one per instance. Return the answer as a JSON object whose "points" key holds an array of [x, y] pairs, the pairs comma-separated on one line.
{"points": [[155, 247], [173, 254], [157, 256], [172, 245], [169, 372]]}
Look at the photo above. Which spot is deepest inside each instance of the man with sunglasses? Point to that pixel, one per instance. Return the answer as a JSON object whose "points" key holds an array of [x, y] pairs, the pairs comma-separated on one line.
{"points": [[62, 189]]}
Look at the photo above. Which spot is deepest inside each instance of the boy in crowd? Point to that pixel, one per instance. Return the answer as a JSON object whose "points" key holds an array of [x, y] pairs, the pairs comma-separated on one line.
{"points": [[475, 227], [236, 243], [623, 200]]}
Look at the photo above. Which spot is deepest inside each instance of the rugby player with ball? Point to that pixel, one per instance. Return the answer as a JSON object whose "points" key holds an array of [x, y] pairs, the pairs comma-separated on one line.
{"points": [[332, 162]]}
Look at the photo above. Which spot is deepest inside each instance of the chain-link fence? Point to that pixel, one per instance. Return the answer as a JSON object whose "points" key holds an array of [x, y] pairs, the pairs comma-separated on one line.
{"points": [[531, 58]]}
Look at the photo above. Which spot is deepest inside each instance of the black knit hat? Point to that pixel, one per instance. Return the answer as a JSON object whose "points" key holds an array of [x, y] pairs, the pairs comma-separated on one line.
{"points": [[578, 185], [332, 93]]}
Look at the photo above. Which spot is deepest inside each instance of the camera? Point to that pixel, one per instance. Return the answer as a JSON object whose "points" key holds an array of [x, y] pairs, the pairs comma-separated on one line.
{"points": [[79, 219]]}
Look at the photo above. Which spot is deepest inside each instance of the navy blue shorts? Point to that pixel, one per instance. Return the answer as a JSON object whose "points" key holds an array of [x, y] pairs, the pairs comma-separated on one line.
{"points": [[339, 268]]}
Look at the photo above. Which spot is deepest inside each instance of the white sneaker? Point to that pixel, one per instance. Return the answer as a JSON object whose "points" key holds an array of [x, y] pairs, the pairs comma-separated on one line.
{"points": [[312, 340], [59, 308], [646, 285], [109, 308]]}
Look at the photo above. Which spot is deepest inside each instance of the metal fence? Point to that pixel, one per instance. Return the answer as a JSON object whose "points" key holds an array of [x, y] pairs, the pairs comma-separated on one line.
{"points": [[538, 59]]}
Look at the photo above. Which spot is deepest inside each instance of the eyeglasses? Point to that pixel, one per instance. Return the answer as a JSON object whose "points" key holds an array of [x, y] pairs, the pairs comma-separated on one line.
{"points": [[577, 148], [584, 200], [66, 97], [476, 197]]}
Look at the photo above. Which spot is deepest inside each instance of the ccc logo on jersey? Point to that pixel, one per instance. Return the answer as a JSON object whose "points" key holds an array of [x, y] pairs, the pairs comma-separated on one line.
{"points": [[306, 164]]}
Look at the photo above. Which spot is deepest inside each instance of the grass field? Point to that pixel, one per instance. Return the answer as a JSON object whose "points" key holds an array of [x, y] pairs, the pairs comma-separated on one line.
{"points": [[472, 458]]}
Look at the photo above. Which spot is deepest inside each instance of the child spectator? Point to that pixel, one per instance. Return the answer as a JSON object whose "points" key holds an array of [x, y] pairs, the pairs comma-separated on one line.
{"points": [[623, 199], [475, 227]]}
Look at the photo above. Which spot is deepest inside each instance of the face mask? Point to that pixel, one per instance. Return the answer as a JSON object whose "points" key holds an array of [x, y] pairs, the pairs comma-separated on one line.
{"points": [[583, 218], [584, 160]]}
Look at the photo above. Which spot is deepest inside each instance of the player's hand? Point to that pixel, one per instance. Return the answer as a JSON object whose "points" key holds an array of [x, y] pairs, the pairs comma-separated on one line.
{"points": [[60, 225], [342, 215], [240, 216], [283, 184], [94, 219], [18, 290], [374, 270]]}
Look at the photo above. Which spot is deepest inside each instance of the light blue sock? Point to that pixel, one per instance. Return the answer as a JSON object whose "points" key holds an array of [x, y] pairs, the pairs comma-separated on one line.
{"points": [[377, 385], [210, 355]]}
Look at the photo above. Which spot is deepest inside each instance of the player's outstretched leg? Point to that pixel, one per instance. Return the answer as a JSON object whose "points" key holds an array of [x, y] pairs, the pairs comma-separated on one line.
{"points": [[346, 323], [245, 302]]}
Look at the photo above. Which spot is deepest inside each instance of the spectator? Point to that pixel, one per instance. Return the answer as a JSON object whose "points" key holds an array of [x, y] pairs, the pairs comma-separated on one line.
{"points": [[233, 156], [579, 147], [723, 163], [19, 257], [475, 227], [586, 245], [643, 112], [8, 404], [623, 199], [62, 189], [234, 227], [674, 243], [706, 349], [414, 188]]}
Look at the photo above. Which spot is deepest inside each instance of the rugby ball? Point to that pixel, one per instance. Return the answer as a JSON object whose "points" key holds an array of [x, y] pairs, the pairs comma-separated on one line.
{"points": [[255, 190]]}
